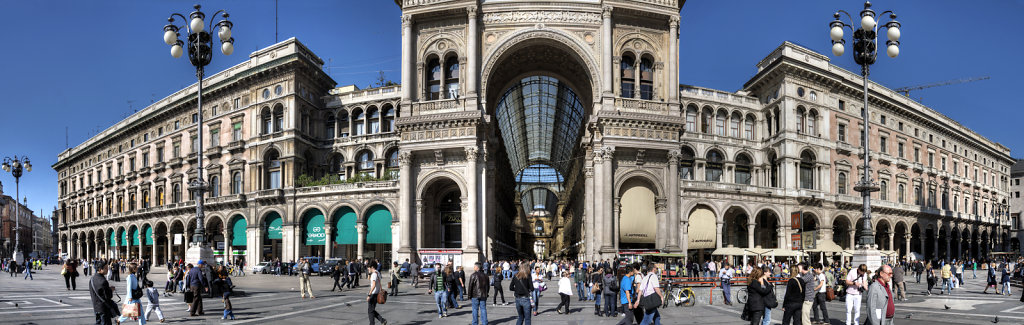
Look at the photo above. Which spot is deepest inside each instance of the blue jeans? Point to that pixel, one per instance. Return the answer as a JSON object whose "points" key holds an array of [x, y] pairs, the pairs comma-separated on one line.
{"points": [[28, 274], [726, 289], [536, 299], [462, 292], [974, 273], [597, 302], [580, 288], [451, 297], [228, 313], [652, 317], [441, 297], [1006, 288], [479, 308], [590, 292], [767, 316], [523, 310], [947, 286]]}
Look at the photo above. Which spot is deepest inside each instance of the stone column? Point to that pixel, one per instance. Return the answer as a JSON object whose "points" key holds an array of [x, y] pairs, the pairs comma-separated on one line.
{"points": [[228, 252], [469, 220], [142, 241], [328, 241], [473, 44], [935, 248], [407, 63], [672, 195], [616, 214], [673, 59], [89, 247], [606, 43], [750, 235], [947, 247], [892, 241], [360, 240], [169, 247], [606, 185], [718, 234], [588, 210], [405, 199], [598, 202], [75, 249], [152, 249], [906, 242]]}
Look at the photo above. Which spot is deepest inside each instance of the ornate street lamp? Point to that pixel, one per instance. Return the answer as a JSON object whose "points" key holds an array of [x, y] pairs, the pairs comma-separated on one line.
{"points": [[16, 166], [200, 44], [864, 53]]}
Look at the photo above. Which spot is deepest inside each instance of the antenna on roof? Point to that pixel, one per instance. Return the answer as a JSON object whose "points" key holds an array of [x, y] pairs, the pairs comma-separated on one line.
{"points": [[66, 138], [275, 21]]}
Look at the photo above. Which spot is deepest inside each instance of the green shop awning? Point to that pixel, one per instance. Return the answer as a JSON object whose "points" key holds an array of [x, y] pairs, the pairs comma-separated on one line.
{"points": [[238, 231], [124, 237], [273, 226], [378, 225], [113, 239], [135, 236], [314, 228], [345, 228], [149, 235]]}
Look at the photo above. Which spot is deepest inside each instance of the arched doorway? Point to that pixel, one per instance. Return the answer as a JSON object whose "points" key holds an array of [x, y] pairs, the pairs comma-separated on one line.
{"points": [[638, 220], [915, 239], [147, 242], [177, 240], [237, 245], [441, 225], [766, 230], [901, 239], [272, 239], [160, 239], [882, 231], [841, 229], [345, 239], [215, 237], [929, 243], [378, 234], [734, 231], [312, 235], [702, 233], [941, 253]]}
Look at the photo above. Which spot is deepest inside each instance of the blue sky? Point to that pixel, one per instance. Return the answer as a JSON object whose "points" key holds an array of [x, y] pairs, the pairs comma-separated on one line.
{"points": [[77, 64]]}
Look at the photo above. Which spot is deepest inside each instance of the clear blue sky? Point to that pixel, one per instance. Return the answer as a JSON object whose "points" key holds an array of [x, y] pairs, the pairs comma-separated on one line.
{"points": [[77, 64]]}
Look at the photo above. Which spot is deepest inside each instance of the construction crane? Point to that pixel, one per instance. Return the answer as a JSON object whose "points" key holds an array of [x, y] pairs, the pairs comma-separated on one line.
{"points": [[906, 90]]}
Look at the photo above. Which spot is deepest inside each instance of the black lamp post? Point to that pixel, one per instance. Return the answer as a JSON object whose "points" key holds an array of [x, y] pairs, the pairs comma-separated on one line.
{"points": [[864, 53], [16, 166], [200, 44]]}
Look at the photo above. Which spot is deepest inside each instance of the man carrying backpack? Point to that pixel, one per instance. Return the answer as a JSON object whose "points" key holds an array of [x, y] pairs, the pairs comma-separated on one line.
{"points": [[611, 288]]}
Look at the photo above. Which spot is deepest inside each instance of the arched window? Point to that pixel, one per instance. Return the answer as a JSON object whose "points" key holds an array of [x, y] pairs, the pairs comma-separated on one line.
{"points": [[451, 86], [918, 196], [945, 200], [956, 203], [901, 193], [713, 171], [705, 119], [628, 76], [841, 183], [389, 118], [268, 123], [807, 170], [357, 122], [364, 163], [145, 199], [329, 127], [392, 164], [434, 79], [691, 118], [372, 120], [777, 122], [214, 186], [768, 124], [734, 124], [801, 115], [646, 78], [720, 122], [176, 193], [743, 169], [812, 122], [883, 193], [278, 119], [236, 183], [343, 130], [686, 164], [131, 201], [272, 167], [748, 128]]}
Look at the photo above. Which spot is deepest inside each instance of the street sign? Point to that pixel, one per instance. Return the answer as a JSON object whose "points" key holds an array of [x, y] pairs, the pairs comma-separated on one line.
{"points": [[796, 219], [795, 239]]}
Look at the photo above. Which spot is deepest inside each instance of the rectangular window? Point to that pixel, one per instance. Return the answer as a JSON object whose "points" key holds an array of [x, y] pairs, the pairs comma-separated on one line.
{"points": [[275, 179], [882, 146], [160, 131], [215, 137], [131, 164], [194, 144], [145, 137], [195, 118], [176, 150], [236, 131], [956, 168], [841, 132], [238, 102], [900, 126], [213, 111], [883, 120], [132, 144], [842, 105], [917, 155], [177, 125], [931, 159], [899, 149], [145, 159], [943, 165]]}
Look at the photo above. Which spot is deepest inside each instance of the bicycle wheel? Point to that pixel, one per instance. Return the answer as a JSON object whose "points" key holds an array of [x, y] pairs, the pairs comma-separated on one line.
{"points": [[741, 296], [690, 298]]}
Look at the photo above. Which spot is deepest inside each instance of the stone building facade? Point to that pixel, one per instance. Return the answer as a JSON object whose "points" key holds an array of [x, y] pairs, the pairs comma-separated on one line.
{"points": [[15, 216], [559, 129]]}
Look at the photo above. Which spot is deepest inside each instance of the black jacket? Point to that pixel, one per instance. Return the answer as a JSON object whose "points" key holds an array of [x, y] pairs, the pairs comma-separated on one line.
{"points": [[478, 285], [100, 293], [497, 279], [794, 293], [521, 287], [433, 281], [757, 295]]}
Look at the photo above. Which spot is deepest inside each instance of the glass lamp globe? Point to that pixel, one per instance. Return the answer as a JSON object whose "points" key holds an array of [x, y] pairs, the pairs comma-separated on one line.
{"points": [[836, 33], [892, 51], [176, 51], [224, 33], [867, 22], [227, 48], [838, 49], [170, 36], [893, 33], [196, 24]]}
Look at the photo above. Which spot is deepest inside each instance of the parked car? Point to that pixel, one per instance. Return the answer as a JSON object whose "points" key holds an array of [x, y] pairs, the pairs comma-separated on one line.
{"points": [[425, 274], [314, 263], [328, 265], [261, 267]]}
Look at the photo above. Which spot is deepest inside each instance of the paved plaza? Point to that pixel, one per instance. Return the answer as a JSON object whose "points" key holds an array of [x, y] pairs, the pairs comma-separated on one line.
{"points": [[270, 299]]}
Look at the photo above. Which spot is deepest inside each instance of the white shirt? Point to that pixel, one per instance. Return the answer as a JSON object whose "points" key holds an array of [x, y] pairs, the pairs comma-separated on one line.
{"points": [[565, 286], [648, 284], [853, 277], [823, 281], [375, 279]]}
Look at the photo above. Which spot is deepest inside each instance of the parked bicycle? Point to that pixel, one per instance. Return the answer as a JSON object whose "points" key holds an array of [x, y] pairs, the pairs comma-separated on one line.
{"points": [[680, 295], [741, 295]]}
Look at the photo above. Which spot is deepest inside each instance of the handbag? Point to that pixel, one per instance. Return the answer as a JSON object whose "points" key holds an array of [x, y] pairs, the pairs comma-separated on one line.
{"points": [[830, 294], [382, 297], [652, 301], [130, 310], [770, 300]]}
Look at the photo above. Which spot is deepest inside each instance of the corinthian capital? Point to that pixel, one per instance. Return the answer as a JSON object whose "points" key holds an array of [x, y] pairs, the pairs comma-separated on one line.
{"points": [[606, 12], [472, 153]]}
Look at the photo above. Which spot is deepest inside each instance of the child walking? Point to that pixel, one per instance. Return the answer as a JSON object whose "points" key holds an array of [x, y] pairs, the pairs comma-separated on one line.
{"points": [[154, 301], [226, 288]]}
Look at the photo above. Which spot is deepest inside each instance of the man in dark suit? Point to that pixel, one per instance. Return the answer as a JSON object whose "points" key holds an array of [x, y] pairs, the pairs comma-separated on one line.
{"points": [[100, 292]]}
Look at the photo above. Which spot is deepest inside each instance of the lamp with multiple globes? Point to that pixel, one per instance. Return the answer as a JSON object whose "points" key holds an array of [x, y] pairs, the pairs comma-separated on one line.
{"points": [[16, 166]]}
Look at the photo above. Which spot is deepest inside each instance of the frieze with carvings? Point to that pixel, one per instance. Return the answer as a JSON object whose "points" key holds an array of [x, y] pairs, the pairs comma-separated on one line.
{"points": [[539, 16], [641, 129]]}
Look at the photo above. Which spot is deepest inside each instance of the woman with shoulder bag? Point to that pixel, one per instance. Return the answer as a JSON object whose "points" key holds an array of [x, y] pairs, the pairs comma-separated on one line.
{"points": [[650, 295], [756, 306], [793, 302], [133, 308]]}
